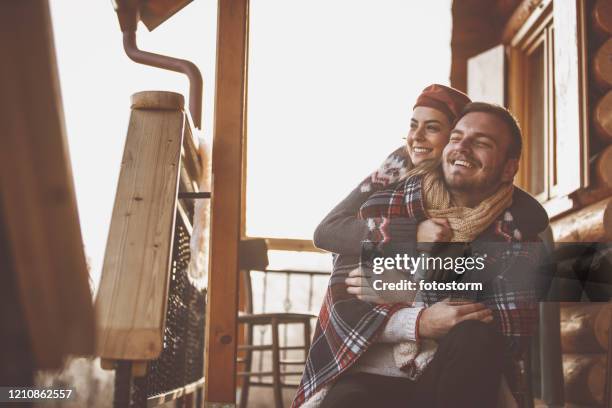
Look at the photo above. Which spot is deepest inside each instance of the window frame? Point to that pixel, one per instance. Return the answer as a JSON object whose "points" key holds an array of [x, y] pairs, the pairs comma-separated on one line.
{"points": [[539, 26], [535, 33]]}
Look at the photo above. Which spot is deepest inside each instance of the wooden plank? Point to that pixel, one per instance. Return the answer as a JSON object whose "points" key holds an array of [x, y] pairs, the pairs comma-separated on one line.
{"points": [[190, 159], [131, 299], [38, 208], [154, 12], [221, 324]]}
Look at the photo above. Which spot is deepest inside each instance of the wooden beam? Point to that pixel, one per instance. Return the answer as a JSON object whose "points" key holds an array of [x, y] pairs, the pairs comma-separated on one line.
{"points": [[221, 311], [131, 300], [590, 224], [39, 209], [286, 244], [518, 18]]}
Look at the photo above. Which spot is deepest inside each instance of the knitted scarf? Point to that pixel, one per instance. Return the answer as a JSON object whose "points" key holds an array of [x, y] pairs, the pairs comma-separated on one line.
{"points": [[466, 223]]}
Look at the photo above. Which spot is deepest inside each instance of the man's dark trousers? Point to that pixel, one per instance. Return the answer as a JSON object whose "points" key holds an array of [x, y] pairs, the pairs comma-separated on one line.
{"points": [[465, 372]]}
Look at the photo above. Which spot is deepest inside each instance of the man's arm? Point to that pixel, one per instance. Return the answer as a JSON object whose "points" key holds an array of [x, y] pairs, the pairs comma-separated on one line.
{"points": [[514, 295]]}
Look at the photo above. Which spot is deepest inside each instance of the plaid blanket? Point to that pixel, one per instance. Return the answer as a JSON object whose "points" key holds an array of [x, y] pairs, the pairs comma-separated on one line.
{"points": [[347, 326]]}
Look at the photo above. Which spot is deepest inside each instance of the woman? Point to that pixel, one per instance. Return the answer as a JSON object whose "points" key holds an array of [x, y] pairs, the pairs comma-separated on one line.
{"points": [[348, 327], [433, 116]]}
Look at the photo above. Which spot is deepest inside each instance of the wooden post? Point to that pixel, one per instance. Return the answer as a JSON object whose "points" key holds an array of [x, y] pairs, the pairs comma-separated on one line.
{"points": [[220, 359], [38, 206]]}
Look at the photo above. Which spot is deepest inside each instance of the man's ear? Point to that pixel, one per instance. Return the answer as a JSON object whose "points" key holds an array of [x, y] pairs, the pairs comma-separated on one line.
{"points": [[510, 169]]}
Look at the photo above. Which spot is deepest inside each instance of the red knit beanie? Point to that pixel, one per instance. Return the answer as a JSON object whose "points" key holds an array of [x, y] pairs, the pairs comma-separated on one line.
{"points": [[443, 98]]}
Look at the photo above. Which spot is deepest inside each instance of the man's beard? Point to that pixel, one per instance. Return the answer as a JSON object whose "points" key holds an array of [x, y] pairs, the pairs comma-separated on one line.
{"points": [[491, 181]]}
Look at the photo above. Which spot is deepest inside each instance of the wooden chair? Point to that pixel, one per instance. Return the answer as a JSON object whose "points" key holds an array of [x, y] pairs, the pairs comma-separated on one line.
{"points": [[254, 256]]}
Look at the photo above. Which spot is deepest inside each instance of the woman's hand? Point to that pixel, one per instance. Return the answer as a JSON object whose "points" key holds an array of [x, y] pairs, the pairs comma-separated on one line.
{"points": [[434, 230], [431, 231], [437, 320]]}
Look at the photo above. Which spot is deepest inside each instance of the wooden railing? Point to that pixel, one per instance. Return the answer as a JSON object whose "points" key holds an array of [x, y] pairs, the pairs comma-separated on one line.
{"points": [[150, 315]]}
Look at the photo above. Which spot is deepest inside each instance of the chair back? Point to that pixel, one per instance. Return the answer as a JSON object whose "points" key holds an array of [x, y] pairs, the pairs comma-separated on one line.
{"points": [[252, 255]]}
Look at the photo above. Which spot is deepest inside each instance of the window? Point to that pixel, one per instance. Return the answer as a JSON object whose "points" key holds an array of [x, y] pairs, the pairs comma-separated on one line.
{"points": [[533, 70], [547, 93]]}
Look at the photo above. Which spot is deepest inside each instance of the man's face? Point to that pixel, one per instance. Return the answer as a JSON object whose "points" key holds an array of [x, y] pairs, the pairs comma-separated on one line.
{"points": [[475, 158]]}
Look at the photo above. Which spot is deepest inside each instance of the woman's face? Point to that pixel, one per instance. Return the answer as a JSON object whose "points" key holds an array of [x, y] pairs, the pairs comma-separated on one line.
{"points": [[429, 133]]}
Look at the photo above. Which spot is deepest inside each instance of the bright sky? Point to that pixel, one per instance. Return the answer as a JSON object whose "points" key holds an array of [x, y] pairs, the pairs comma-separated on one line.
{"points": [[331, 88]]}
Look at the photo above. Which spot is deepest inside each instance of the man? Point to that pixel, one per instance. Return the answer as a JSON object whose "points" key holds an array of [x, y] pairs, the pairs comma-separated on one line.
{"points": [[464, 366]]}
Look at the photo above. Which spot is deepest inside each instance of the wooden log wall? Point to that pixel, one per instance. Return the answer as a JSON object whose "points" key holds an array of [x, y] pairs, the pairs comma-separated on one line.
{"points": [[584, 378], [600, 91], [586, 224], [584, 341], [585, 326]]}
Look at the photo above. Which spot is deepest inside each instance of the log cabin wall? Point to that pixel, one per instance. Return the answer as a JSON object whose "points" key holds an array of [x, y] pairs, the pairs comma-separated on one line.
{"points": [[580, 210], [574, 183]]}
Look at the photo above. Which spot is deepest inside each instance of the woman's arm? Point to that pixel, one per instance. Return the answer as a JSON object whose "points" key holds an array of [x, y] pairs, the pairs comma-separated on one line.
{"points": [[341, 231]]}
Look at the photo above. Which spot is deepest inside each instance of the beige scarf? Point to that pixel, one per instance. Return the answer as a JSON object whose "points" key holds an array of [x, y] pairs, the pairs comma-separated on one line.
{"points": [[466, 223]]}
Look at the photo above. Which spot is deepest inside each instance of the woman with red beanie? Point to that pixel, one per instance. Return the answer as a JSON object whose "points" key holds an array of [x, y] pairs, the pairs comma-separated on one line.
{"points": [[361, 356]]}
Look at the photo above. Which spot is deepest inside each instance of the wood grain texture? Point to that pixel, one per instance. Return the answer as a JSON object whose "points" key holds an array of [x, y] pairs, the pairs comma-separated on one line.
{"points": [[518, 19], [601, 66], [602, 17], [602, 117], [131, 299], [584, 376], [221, 311], [38, 208], [590, 224], [584, 327], [154, 12], [603, 167], [157, 100]]}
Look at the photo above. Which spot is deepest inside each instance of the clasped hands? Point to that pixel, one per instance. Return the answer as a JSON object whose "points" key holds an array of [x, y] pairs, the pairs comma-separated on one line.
{"points": [[436, 320]]}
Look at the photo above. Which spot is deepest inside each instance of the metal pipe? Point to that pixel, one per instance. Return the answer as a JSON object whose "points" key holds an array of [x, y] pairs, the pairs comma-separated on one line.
{"points": [[173, 64]]}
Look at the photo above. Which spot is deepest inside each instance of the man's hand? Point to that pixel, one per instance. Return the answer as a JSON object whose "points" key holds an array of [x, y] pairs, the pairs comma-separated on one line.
{"points": [[358, 285], [437, 320]]}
